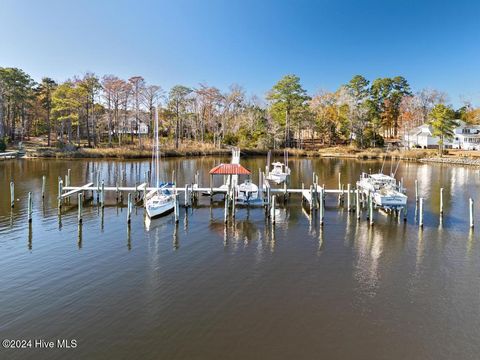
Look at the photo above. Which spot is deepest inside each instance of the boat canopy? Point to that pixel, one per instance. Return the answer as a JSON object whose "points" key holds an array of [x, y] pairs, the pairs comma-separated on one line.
{"points": [[229, 169]]}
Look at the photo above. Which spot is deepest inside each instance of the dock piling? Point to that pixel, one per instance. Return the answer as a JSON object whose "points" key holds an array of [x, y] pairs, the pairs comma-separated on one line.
{"points": [[470, 205], [273, 215], [129, 208], [370, 209], [349, 204], [176, 208], [322, 206], [420, 215], [30, 206], [12, 194], [441, 201], [357, 203], [44, 179], [80, 208], [102, 195]]}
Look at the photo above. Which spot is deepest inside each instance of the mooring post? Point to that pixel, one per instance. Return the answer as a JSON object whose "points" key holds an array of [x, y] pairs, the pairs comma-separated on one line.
{"points": [[233, 202], [129, 208], [273, 209], [116, 191], [80, 206], [313, 178], [420, 216], [370, 209], [145, 195], [60, 191], [357, 203], [285, 191], [103, 194], [225, 215], [349, 204], [322, 206], [12, 194], [339, 181], [471, 212], [30, 205], [311, 197], [98, 182], [69, 174], [44, 180], [416, 190], [441, 201], [186, 195], [176, 209]]}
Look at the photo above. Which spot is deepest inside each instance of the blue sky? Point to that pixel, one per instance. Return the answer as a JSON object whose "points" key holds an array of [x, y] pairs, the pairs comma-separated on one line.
{"points": [[253, 43]]}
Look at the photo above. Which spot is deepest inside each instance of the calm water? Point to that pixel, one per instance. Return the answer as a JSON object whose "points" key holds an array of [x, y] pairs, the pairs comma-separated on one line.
{"points": [[205, 291]]}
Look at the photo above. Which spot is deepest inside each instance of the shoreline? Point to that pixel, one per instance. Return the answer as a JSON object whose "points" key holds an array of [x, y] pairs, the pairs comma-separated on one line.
{"points": [[130, 153]]}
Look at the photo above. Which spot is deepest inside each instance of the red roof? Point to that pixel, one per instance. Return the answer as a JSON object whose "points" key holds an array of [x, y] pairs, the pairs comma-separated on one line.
{"points": [[229, 169]]}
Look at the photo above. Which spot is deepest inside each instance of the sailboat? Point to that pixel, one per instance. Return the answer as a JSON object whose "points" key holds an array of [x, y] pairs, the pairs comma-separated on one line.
{"points": [[280, 171], [161, 200]]}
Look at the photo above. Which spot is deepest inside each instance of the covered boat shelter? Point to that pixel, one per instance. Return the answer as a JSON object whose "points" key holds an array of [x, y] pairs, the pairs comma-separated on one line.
{"points": [[227, 170]]}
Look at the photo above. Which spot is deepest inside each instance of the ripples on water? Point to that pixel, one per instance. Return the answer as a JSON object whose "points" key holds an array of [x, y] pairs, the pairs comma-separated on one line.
{"points": [[201, 289]]}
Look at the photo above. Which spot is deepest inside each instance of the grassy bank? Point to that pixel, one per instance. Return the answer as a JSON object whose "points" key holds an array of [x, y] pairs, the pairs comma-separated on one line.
{"points": [[36, 149]]}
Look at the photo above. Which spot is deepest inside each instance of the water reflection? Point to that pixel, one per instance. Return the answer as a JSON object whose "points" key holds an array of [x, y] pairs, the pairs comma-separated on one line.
{"points": [[30, 236], [79, 236]]}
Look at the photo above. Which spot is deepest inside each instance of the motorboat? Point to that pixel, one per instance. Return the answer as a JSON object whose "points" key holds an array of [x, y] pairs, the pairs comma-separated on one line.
{"points": [[160, 200], [247, 192], [279, 172], [386, 192]]}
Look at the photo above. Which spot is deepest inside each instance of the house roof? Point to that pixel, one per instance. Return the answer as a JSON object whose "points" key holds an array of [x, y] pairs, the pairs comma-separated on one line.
{"points": [[229, 169]]}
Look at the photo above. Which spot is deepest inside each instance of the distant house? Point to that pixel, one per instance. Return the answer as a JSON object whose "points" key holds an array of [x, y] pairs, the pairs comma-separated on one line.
{"points": [[128, 126], [466, 137]]}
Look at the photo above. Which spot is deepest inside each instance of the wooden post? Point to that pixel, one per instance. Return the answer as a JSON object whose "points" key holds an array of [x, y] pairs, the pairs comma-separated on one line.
{"points": [[44, 180], [322, 206], [370, 209], [273, 209], [225, 215], [145, 195], [471, 212], [349, 205], [103, 194], [233, 202], [313, 178], [174, 179], [30, 205], [80, 205], [416, 190], [420, 221], [69, 174], [12, 194], [129, 208], [211, 187], [176, 208], [311, 197], [339, 181], [60, 192], [357, 203], [441, 201], [186, 196]]}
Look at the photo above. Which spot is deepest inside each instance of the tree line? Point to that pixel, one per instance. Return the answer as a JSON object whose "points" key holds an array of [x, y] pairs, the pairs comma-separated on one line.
{"points": [[93, 111]]}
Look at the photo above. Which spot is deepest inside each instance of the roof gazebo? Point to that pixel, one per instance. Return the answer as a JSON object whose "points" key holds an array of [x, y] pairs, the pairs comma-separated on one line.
{"points": [[227, 170]]}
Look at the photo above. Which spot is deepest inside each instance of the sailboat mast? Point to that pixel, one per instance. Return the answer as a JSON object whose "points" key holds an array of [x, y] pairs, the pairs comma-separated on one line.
{"points": [[157, 150]]}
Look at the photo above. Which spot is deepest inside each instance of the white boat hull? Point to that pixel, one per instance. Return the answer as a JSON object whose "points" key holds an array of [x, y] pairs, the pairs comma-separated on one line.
{"points": [[277, 178], [156, 208]]}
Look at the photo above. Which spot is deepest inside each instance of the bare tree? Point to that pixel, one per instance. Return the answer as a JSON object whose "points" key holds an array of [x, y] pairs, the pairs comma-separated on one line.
{"points": [[138, 86]]}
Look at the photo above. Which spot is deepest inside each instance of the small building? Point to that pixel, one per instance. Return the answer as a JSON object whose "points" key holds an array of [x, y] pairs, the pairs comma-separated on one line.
{"points": [[466, 137]]}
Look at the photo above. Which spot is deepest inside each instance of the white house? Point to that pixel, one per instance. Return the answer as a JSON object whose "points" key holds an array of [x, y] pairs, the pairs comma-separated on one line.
{"points": [[466, 137]]}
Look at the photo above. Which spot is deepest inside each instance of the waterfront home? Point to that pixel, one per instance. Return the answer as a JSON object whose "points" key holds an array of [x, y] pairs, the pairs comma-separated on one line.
{"points": [[466, 137]]}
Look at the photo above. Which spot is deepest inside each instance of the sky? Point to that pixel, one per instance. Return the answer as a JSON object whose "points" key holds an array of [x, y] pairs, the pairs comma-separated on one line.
{"points": [[433, 44]]}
